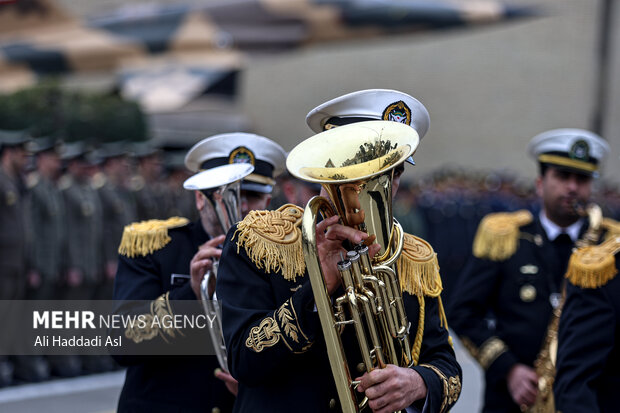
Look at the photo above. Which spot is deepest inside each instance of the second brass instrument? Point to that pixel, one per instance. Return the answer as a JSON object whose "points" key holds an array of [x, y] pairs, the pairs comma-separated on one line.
{"points": [[222, 195], [355, 164]]}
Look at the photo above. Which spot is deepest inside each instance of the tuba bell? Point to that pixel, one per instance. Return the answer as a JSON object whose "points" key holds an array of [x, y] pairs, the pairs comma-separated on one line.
{"points": [[221, 189], [355, 164]]}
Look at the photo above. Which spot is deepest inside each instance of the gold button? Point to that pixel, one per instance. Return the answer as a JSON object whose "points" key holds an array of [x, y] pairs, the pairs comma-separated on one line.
{"points": [[527, 293], [361, 368], [332, 404], [216, 410]]}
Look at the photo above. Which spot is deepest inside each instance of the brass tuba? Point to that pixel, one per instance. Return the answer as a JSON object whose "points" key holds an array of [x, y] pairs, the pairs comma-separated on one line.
{"points": [[221, 189], [355, 164], [545, 362]]}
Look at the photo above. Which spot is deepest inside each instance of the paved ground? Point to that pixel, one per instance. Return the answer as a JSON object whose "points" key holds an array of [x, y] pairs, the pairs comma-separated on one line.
{"points": [[99, 393]]}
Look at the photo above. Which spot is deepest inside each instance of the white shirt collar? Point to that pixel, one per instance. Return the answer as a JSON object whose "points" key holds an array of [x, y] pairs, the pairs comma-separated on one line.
{"points": [[553, 230]]}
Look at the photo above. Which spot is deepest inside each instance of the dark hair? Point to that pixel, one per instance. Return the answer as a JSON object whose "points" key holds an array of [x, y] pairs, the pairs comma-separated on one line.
{"points": [[543, 167]]}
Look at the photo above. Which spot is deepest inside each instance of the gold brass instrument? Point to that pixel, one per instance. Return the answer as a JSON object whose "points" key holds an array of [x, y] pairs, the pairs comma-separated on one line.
{"points": [[221, 189], [354, 164], [545, 362]]}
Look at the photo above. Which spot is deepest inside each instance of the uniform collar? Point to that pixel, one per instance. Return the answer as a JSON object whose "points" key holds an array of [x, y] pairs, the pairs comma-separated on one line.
{"points": [[553, 230]]}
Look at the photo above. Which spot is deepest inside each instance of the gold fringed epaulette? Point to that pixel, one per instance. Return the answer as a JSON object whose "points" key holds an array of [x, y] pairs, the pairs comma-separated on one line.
{"points": [[418, 269], [146, 237], [272, 240], [612, 226], [497, 237], [594, 266]]}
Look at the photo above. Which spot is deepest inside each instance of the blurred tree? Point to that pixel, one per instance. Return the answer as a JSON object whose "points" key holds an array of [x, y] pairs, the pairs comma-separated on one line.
{"points": [[47, 109]]}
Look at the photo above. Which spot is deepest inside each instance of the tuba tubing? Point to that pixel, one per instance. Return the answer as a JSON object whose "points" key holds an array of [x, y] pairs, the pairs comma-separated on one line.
{"points": [[222, 195]]}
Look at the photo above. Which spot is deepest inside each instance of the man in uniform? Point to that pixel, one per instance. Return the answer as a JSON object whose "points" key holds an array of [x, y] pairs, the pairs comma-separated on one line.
{"points": [[516, 274], [13, 245], [147, 185], [163, 272], [587, 376], [84, 215], [269, 318], [118, 208], [46, 220]]}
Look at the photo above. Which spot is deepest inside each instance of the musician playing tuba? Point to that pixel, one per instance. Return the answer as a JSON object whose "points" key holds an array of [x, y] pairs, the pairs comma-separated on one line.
{"points": [[164, 261], [274, 333], [516, 276]]}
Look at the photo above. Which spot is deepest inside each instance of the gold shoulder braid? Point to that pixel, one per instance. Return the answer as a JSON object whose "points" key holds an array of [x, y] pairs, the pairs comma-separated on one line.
{"points": [[146, 237], [594, 266], [272, 240], [418, 268], [418, 271], [498, 234], [612, 226]]}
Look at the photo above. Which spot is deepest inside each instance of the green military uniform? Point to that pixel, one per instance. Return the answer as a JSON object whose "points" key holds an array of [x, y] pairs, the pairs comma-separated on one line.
{"points": [[118, 210], [12, 239], [46, 220], [84, 216]]}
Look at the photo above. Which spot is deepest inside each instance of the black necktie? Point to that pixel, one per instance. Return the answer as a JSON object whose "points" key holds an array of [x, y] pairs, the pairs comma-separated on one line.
{"points": [[563, 247]]}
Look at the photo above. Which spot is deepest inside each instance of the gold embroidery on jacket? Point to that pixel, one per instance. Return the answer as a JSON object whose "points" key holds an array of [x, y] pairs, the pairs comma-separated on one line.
{"points": [[490, 350], [153, 325], [265, 335]]}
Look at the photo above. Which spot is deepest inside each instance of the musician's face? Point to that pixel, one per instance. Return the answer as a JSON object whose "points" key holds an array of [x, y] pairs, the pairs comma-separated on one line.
{"points": [[208, 217], [560, 191], [251, 201]]}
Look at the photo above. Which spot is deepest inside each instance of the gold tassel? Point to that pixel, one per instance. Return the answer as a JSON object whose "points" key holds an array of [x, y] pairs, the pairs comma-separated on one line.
{"points": [[272, 240], [594, 266], [612, 227], [418, 268], [497, 237], [417, 344], [145, 237], [443, 320]]}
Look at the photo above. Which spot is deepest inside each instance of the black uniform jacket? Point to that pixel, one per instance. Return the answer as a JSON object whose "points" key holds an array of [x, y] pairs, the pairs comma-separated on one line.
{"points": [[276, 347], [588, 366], [166, 383], [515, 293]]}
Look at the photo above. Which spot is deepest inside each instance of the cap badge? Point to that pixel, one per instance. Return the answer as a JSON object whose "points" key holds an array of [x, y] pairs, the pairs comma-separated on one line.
{"points": [[398, 112], [241, 155], [580, 150]]}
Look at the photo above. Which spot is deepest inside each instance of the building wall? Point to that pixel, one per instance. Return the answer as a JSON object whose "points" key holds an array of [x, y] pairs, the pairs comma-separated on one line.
{"points": [[488, 89]]}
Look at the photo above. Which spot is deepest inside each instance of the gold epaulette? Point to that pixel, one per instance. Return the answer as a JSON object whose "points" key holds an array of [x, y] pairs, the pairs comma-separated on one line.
{"points": [[498, 234], [594, 266], [418, 269], [272, 240], [612, 226], [146, 237]]}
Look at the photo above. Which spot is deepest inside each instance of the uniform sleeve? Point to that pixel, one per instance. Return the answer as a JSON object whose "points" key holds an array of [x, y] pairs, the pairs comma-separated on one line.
{"points": [[585, 340], [138, 292], [437, 363], [262, 335], [477, 289]]}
